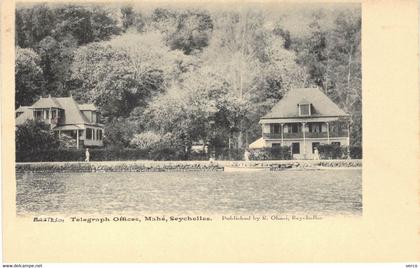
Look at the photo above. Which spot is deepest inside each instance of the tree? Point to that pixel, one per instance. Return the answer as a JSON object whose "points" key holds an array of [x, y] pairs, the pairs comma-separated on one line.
{"points": [[119, 132], [56, 59], [105, 79], [119, 75], [33, 24], [255, 65], [188, 30], [191, 75], [146, 140], [28, 77], [184, 113], [128, 16], [74, 20], [35, 136], [103, 25], [332, 56]]}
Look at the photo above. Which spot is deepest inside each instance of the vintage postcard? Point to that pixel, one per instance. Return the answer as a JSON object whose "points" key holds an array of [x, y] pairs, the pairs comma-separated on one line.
{"points": [[190, 131]]}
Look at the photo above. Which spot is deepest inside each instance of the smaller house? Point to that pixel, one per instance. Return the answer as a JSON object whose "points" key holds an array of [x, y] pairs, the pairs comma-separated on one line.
{"points": [[79, 122], [304, 119]]}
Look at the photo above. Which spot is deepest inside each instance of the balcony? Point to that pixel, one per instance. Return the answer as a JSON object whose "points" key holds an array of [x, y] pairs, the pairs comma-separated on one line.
{"points": [[316, 135], [340, 133], [297, 135], [308, 135]]}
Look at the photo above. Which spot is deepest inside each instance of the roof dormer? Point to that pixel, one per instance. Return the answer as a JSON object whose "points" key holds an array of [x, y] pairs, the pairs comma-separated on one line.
{"points": [[305, 108]]}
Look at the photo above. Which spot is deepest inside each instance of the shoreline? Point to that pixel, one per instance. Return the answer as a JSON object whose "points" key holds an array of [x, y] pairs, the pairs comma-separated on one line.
{"points": [[186, 166]]}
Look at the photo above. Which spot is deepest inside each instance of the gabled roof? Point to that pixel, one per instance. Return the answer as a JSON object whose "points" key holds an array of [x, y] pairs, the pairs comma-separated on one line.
{"points": [[321, 104]]}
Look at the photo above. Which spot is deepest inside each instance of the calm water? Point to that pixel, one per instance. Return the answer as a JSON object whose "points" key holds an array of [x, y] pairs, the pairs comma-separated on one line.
{"points": [[325, 192]]}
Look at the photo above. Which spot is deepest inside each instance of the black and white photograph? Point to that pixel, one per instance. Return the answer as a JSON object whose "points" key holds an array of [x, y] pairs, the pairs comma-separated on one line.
{"points": [[188, 110]]}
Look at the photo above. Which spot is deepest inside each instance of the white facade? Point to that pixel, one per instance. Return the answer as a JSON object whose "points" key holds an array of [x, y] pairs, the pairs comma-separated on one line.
{"points": [[303, 137]]}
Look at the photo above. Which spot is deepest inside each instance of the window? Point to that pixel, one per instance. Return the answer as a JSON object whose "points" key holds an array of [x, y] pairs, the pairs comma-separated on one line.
{"points": [[315, 145], [38, 115], [99, 134], [53, 114], [296, 128], [314, 127], [275, 128], [47, 114], [88, 133], [304, 109], [296, 148]]}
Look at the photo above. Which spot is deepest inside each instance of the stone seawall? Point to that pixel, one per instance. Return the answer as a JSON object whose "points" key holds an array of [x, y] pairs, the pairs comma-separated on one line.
{"points": [[163, 166], [299, 164], [126, 166]]}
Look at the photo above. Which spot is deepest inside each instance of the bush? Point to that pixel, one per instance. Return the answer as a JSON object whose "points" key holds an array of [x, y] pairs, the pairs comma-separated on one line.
{"points": [[65, 155], [223, 153], [356, 152], [167, 153], [67, 141], [282, 153], [35, 136], [332, 151]]}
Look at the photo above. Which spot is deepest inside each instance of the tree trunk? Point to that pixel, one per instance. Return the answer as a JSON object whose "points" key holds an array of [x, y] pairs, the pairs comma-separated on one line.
{"points": [[229, 146], [246, 139], [240, 137], [326, 73], [349, 75]]}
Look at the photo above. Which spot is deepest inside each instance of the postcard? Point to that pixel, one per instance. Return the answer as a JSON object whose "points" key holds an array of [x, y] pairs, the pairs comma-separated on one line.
{"points": [[247, 131]]}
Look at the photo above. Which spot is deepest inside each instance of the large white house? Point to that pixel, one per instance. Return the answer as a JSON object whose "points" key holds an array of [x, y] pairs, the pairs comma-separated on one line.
{"points": [[303, 119], [66, 117]]}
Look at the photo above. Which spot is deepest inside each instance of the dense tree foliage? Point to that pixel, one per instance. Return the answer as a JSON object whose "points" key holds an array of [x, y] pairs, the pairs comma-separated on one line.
{"points": [[187, 75], [29, 79], [35, 136], [54, 33]]}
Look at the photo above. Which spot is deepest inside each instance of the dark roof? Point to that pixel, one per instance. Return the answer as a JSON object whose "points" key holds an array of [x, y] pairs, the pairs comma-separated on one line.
{"points": [[321, 104]]}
